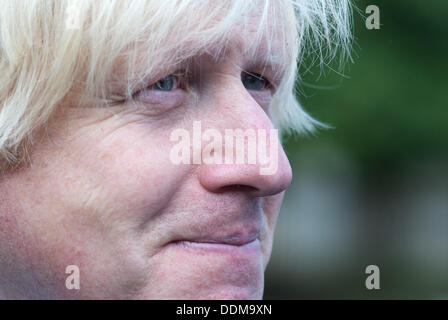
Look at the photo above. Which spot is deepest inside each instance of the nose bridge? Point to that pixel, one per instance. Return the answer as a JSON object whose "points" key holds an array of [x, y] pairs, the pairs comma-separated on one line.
{"points": [[252, 155], [240, 108]]}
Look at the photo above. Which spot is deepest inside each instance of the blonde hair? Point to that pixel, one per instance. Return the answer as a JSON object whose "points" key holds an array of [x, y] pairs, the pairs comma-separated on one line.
{"points": [[43, 58]]}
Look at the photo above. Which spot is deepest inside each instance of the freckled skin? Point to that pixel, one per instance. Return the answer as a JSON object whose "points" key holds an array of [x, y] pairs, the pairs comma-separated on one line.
{"points": [[101, 193]]}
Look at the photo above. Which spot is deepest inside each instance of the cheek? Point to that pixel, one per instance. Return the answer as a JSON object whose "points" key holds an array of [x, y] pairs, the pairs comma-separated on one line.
{"points": [[127, 173], [85, 204]]}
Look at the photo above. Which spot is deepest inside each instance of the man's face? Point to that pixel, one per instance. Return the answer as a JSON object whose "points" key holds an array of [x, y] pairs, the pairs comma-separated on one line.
{"points": [[103, 194]]}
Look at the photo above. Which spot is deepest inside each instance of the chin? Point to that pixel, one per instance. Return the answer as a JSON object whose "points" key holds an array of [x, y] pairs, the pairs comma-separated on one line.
{"points": [[236, 294], [206, 273], [230, 292]]}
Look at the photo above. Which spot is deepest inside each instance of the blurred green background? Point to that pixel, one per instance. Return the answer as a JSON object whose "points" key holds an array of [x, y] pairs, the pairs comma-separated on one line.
{"points": [[374, 189]]}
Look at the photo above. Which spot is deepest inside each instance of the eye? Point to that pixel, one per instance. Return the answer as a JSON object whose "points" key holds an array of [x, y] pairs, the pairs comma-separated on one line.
{"points": [[254, 82], [168, 83], [165, 94]]}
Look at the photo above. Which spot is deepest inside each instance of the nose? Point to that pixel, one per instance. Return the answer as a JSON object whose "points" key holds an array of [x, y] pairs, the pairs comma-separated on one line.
{"points": [[269, 174]]}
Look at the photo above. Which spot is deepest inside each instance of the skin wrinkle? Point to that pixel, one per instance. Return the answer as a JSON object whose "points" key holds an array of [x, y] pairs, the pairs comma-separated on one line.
{"points": [[143, 226]]}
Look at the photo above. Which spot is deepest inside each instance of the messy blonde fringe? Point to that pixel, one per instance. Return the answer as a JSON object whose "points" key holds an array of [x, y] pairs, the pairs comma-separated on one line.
{"points": [[42, 61]]}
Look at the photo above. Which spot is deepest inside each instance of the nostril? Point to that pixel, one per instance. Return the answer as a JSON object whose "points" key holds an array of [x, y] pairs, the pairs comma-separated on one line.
{"points": [[237, 188]]}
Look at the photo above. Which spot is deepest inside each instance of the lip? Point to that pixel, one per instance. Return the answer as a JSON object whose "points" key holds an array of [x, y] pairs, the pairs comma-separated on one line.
{"points": [[238, 241], [218, 247], [237, 226], [230, 242]]}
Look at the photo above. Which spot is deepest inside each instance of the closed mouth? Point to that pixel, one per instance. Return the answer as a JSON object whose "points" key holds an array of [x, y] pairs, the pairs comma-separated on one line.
{"points": [[224, 243], [217, 247], [231, 242]]}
